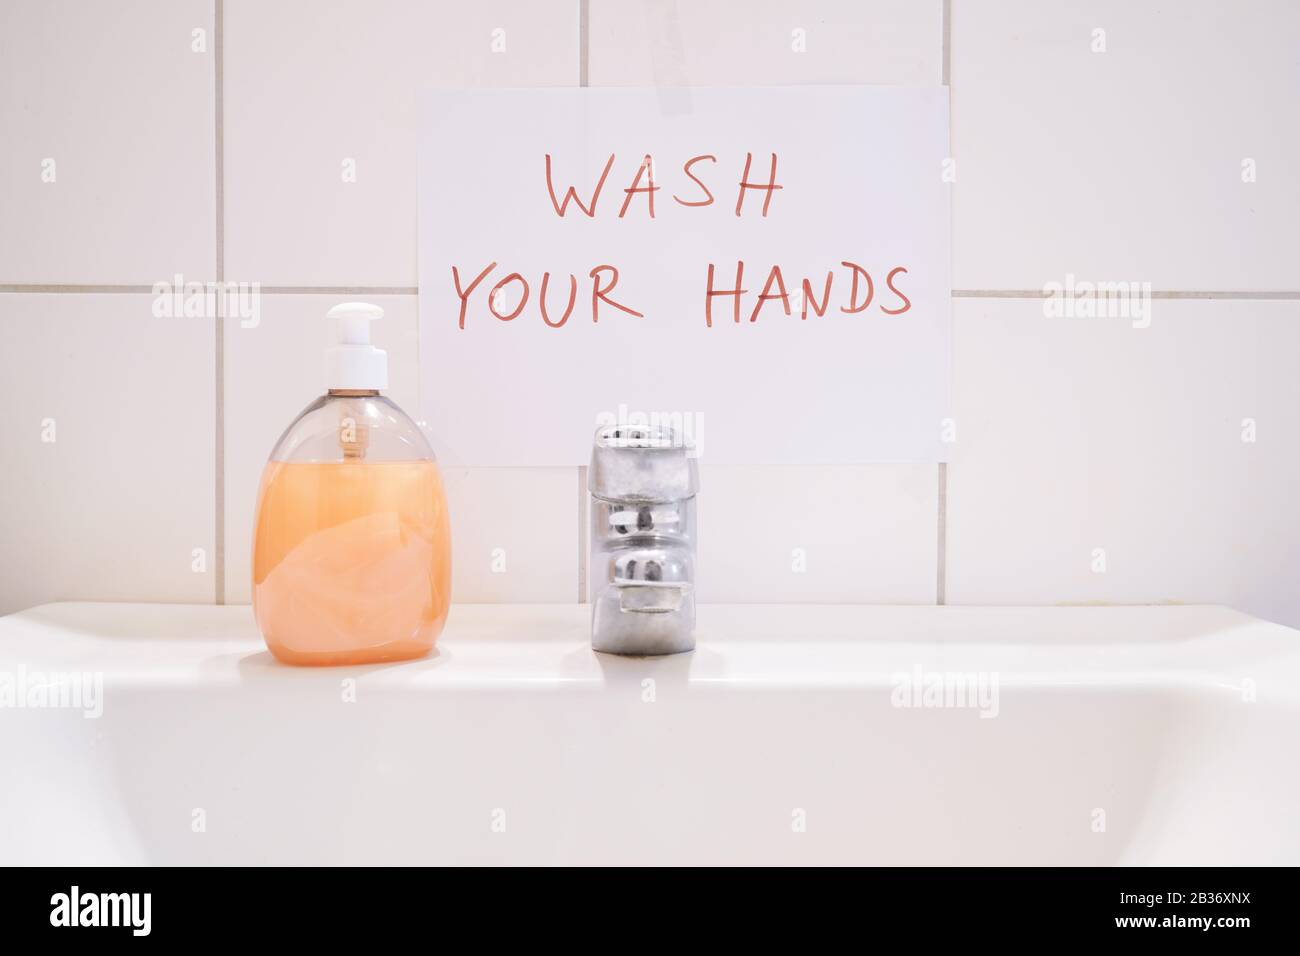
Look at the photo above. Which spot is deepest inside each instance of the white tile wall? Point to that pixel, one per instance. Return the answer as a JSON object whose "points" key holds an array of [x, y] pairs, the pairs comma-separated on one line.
{"points": [[1125, 164], [106, 488], [765, 42], [1117, 165], [1078, 434], [309, 86], [816, 534], [515, 535], [107, 168]]}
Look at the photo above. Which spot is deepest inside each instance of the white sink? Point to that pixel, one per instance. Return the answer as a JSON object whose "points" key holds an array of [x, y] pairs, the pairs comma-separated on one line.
{"points": [[1118, 735]]}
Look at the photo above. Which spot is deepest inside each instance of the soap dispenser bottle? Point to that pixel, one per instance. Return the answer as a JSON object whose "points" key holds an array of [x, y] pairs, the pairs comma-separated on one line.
{"points": [[352, 545]]}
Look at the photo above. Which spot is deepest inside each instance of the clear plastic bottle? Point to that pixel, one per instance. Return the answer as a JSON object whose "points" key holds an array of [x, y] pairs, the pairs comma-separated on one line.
{"points": [[352, 545]]}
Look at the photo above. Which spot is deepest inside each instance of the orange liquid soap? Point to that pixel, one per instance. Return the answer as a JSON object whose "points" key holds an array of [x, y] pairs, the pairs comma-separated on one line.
{"points": [[351, 560]]}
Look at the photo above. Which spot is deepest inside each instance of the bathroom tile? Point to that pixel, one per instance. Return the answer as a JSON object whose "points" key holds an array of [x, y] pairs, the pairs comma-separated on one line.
{"points": [[718, 42], [1125, 164], [515, 534], [274, 369], [1081, 434], [107, 171], [107, 481], [818, 534], [321, 112]]}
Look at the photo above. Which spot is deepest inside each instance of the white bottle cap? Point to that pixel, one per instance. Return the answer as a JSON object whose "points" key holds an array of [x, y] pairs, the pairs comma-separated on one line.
{"points": [[354, 363]]}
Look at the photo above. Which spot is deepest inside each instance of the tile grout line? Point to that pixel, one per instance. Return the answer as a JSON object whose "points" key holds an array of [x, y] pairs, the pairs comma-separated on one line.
{"points": [[584, 34], [582, 534], [219, 476], [264, 290], [52, 288], [1267, 296], [945, 16], [340, 290], [941, 579], [941, 516]]}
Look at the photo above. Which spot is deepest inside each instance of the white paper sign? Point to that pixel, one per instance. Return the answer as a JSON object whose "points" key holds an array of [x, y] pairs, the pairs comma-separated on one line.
{"points": [[581, 251]]}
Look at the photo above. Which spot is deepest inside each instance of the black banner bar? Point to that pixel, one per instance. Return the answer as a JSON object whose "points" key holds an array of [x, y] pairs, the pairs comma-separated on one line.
{"points": [[133, 906]]}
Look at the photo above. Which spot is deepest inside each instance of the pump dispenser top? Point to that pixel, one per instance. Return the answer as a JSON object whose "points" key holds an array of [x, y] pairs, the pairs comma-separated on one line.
{"points": [[353, 364]]}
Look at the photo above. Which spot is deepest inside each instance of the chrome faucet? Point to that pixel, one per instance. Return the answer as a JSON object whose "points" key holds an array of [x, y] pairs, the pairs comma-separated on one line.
{"points": [[643, 483]]}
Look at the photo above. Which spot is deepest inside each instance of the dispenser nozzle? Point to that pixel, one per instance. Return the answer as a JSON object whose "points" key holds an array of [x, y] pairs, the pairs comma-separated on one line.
{"points": [[354, 363]]}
